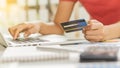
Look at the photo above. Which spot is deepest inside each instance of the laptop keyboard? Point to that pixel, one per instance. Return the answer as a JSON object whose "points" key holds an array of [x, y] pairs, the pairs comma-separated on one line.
{"points": [[27, 41]]}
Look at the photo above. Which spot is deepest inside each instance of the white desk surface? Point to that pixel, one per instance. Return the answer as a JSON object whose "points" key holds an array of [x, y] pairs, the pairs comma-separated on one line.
{"points": [[45, 64], [56, 64]]}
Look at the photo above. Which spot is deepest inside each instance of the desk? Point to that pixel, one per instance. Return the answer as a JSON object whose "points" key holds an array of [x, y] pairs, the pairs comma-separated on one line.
{"points": [[56, 64], [61, 65], [45, 64]]}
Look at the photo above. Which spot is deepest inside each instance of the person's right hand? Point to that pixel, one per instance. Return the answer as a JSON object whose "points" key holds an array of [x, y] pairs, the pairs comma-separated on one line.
{"points": [[28, 29]]}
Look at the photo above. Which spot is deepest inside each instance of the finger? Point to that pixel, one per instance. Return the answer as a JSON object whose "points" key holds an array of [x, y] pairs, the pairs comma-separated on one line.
{"points": [[94, 38], [11, 31], [94, 32], [83, 30], [26, 34], [21, 28], [94, 24], [16, 34], [88, 27]]}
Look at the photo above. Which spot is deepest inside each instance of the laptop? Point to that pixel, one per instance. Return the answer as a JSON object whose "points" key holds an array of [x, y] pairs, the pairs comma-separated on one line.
{"points": [[36, 40], [6, 41]]}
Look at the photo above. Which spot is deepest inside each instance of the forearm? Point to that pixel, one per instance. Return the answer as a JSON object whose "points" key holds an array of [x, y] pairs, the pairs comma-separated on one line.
{"points": [[50, 28], [62, 15], [112, 31]]}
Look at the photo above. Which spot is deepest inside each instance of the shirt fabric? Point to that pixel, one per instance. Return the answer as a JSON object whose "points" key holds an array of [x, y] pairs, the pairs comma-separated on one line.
{"points": [[105, 11]]}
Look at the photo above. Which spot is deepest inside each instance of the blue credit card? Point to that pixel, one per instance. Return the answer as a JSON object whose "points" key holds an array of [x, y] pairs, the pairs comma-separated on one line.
{"points": [[75, 25]]}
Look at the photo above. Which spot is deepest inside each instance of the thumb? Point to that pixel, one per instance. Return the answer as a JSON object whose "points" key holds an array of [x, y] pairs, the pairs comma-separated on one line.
{"points": [[26, 34], [94, 24]]}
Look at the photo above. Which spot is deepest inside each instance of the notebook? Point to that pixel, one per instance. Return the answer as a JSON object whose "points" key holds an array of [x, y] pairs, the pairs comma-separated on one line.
{"points": [[30, 54]]}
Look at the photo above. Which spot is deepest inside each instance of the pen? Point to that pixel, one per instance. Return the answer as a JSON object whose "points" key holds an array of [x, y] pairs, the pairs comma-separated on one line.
{"points": [[57, 49]]}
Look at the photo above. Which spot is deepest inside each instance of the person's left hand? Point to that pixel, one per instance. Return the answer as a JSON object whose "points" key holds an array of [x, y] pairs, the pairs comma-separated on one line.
{"points": [[94, 31]]}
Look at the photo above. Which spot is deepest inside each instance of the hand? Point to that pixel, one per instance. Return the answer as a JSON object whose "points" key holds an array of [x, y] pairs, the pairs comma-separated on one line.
{"points": [[94, 31], [28, 29]]}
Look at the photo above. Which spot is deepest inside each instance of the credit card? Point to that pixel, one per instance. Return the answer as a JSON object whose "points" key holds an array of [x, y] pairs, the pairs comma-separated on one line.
{"points": [[75, 25]]}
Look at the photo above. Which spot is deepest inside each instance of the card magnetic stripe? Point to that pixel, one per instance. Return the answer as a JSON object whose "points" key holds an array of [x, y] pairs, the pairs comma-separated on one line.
{"points": [[74, 30], [72, 22], [79, 25]]}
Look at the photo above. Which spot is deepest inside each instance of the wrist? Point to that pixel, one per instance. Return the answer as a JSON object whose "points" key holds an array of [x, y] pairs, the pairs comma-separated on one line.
{"points": [[112, 31], [106, 33], [40, 26], [37, 26]]}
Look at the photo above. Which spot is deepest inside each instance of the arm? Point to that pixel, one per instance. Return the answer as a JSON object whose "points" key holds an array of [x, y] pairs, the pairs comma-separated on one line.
{"points": [[113, 31], [63, 14]]}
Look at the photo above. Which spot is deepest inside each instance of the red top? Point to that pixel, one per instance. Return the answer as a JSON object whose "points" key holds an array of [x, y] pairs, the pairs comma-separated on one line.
{"points": [[105, 11]]}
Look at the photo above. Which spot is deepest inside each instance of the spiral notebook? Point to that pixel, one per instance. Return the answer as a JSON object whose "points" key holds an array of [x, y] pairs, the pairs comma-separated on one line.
{"points": [[30, 54]]}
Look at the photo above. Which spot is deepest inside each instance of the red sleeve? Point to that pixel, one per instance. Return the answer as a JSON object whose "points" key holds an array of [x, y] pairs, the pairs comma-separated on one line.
{"points": [[69, 0]]}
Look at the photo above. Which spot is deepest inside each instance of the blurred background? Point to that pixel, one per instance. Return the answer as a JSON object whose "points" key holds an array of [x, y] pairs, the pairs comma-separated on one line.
{"points": [[13, 12]]}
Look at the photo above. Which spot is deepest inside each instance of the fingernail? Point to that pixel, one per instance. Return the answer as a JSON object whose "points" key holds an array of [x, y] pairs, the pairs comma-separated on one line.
{"points": [[14, 38], [25, 35]]}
